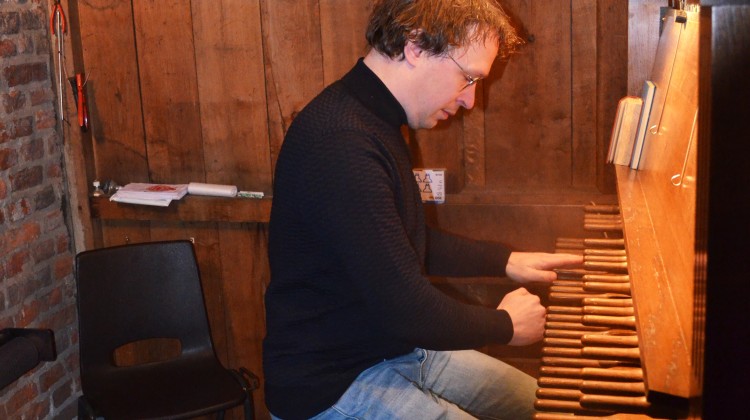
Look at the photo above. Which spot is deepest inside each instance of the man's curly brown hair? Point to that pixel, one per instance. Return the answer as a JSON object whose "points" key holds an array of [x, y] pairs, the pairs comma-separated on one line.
{"points": [[439, 26]]}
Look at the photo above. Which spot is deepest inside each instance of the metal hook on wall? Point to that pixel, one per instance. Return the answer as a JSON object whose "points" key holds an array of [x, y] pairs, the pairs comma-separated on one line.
{"points": [[58, 29]]}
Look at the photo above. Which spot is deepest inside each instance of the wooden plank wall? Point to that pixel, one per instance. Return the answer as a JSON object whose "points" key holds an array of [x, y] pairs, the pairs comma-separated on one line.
{"points": [[204, 91]]}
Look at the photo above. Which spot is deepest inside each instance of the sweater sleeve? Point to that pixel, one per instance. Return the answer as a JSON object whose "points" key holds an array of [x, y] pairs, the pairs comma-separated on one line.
{"points": [[358, 211], [452, 255]]}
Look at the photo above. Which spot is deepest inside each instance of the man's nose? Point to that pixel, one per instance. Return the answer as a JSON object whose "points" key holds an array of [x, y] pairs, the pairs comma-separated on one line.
{"points": [[467, 96]]}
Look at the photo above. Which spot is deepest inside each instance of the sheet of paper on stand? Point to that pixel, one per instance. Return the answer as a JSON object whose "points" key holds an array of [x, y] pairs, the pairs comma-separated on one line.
{"points": [[150, 194], [431, 183]]}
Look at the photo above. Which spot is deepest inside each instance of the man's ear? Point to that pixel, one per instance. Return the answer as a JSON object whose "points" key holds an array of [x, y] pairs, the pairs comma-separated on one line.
{"points": [[412, 53]]}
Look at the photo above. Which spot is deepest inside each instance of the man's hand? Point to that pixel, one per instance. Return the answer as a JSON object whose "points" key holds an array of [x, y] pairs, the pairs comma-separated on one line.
{"points": [[527, 315], [527, 267]]}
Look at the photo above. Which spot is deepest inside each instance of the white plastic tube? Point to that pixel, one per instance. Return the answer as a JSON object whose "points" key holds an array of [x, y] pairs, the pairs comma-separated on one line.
{"points": [[217, 190]]}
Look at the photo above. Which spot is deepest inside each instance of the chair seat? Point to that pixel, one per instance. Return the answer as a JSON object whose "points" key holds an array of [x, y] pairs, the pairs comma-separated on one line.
{"points": [[166, 390]]}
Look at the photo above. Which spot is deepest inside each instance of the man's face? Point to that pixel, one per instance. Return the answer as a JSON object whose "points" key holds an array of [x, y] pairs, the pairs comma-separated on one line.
{"points": [[446, 83]]}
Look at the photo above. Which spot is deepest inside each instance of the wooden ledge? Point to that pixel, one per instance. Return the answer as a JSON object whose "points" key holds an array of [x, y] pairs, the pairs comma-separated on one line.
{"points": [[188, 209]]}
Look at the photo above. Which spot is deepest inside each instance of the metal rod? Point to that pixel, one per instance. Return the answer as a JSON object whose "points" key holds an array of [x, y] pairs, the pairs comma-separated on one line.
{"points": [[60, 87]]}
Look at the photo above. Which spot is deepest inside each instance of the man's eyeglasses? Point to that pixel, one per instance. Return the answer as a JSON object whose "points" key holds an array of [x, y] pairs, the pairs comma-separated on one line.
{"points": [[470, 80]]}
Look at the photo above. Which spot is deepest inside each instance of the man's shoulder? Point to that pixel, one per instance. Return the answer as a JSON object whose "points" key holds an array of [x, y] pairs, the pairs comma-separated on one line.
{"points": [[334, 98], [337, 109]]}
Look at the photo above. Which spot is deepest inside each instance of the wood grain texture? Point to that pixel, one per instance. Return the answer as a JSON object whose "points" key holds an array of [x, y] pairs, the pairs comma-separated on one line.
{"points": [[342, 33], [245, 274], [659, 228], [584, 93], [661, 337], [169, 91], [528, 110], [612, 84], [231, 87], [643, 38], [474, 154], [205, 91], [109, 52], [669, 165], [189, 209], [77, 145], [293, 59]]}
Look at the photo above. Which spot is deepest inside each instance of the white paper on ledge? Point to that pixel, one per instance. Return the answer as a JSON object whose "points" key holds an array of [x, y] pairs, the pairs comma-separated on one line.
{"points": [[153, 191], [145, 201]]}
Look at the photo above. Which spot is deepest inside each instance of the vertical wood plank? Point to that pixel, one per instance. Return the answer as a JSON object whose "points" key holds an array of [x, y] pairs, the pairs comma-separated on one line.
{"points": [[77, 144], [612, 79], [114, 97], [643, 38], [528, 111], [583, 125], [231, 87], [245, 273], [342, 29], [294, 62], [473, 138], [166, 60]]}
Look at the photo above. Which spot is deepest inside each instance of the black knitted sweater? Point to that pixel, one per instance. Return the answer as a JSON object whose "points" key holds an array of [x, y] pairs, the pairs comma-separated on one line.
{"points": [[349, 253]]}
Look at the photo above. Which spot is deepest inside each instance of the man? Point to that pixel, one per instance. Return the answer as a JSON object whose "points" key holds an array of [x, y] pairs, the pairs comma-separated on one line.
{"points": [[354, 327]]}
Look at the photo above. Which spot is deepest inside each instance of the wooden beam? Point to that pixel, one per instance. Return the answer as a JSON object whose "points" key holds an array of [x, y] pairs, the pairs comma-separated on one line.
{"points": [[189, 209]]}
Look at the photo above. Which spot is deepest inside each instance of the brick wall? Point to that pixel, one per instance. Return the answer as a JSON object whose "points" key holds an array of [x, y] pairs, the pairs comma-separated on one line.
{"points": [[36, 261]]}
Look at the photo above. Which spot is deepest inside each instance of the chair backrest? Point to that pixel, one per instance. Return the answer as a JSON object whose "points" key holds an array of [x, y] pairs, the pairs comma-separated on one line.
{"points": [[135, 292]]}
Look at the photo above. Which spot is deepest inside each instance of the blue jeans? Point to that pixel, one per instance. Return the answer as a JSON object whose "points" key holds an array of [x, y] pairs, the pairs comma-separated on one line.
{"points": [[429, 384]]}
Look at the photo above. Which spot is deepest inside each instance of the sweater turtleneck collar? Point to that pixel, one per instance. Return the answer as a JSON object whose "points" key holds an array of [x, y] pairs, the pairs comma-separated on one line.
{"points": [[365, 85]]}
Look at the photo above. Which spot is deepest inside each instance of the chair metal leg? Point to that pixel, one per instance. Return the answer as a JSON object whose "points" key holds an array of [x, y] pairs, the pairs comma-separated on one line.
{"points": [[249, 407], [85, 411], [249, 382]]}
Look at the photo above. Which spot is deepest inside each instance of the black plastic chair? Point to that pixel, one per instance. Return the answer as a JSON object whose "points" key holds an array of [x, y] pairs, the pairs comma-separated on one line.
{"points": [[149, 291]]}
